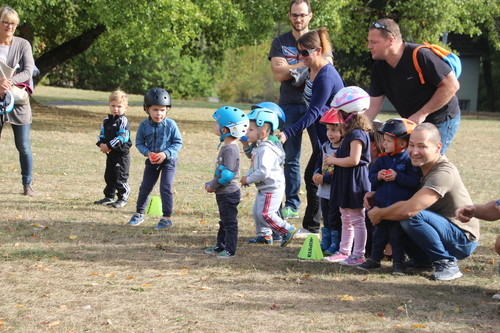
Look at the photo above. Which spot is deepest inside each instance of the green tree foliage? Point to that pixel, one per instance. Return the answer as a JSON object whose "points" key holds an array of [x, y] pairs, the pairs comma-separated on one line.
{"points": [[183, 42]]}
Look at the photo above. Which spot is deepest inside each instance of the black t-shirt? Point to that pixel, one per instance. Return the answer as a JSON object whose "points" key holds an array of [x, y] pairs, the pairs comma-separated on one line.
{"points": [[402, 86], [283, 46]]}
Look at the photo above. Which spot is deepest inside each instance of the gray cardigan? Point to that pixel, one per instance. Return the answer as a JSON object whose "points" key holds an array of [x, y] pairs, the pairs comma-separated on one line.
{"points": [[20, 53]]}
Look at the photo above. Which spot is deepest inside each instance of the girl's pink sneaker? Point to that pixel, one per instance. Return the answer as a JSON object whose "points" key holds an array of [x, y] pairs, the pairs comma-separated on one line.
{"points": [[336, 257]]}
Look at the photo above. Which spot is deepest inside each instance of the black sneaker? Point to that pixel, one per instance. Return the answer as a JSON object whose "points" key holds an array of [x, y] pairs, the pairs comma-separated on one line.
{"points": [[213, 250], [369, 265], [119, 203], [104, 202], [414, 265], [445, 270], [398, 268]]}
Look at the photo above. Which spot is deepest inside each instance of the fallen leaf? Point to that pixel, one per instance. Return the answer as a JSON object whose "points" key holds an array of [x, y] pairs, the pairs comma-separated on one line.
{"points": [[63, 306], [86, 307], [129, 277], [380, 315], [492, 261], [94, 274], [241, 295], [273, 307], [400, 308], [18, 306], [457, 310], [299, 281], [205, 288], [72, 237], [147, 285], [137, 289], [2, 323], [439, 314], [398, 325], [418, 326], [55, 323], [204, 278], [365, 279], [307, 276], [109, 275], [346, 298]]}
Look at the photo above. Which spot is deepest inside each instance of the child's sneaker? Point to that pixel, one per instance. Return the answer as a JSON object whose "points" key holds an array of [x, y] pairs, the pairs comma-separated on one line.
{"points": [[164, 224], [288, 237], [268, 240], [336, 257], [104, 202], [397, 268], [370, 265], [225, 255], [352, 261], [213, 250], [119, 203], [289, 213], [136, 219], [277, 238]]}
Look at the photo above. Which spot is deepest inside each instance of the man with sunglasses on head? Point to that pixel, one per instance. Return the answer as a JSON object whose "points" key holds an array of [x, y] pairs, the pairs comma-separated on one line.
{"points": [[284, 58], [394, 76]]}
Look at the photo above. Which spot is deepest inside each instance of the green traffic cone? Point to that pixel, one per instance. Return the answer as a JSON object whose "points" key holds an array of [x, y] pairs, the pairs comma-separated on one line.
{"points": [[311, 249], [154, 206]]}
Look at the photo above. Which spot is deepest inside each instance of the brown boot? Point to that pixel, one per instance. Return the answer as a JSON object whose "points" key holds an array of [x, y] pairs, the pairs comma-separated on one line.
{"points": [[29, 191]]}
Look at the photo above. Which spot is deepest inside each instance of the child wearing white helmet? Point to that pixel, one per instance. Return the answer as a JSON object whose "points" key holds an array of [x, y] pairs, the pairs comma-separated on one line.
{"points": [[393, 179], [159, 139], [230, 124], [266, 172], [350, 178]]}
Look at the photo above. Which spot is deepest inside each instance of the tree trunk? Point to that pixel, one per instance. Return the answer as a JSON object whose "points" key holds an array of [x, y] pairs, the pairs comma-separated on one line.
{"points": [[49, 60], [488, 82]]}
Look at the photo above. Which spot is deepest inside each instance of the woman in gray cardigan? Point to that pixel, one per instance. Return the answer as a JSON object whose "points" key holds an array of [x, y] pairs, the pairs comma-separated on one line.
{"points": [[16, 52]]}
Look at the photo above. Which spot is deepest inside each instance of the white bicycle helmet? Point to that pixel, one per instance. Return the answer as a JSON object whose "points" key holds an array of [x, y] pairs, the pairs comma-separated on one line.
{"points": [[351, 99]]}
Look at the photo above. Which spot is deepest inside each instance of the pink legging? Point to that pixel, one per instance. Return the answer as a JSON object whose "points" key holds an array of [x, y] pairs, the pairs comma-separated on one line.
{"points": [[353, 229]]}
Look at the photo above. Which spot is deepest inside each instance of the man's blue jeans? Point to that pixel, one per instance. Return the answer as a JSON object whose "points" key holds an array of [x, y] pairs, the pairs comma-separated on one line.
{"points": [[448, 129], [23, 145], [435, 238], [292, 147]]}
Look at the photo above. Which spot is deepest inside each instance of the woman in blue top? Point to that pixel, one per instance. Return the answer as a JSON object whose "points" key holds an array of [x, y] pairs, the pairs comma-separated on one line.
{"points": [[323, 83]]}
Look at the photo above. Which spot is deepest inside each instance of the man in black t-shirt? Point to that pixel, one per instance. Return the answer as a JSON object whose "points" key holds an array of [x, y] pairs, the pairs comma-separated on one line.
{"points": [[394, 76]]}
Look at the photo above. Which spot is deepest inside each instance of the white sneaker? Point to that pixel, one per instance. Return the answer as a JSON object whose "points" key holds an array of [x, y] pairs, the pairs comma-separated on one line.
{"points": [[302, 233]]}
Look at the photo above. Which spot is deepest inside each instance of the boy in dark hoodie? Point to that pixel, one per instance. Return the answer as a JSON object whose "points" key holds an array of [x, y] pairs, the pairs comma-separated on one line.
{"points": [[394, 179]]}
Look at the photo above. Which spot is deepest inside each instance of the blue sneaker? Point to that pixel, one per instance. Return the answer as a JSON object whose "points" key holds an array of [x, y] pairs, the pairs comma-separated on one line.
{"points": [[268, 240], [164, 224], [288, 237], [277, 238], [136, 219]]}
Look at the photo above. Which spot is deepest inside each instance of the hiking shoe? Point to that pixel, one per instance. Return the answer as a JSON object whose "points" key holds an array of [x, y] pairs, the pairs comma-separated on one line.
{"points": [[336, 257], [352, 260], [289, 213], [225, 255], [104, 202], [164, 223], [288, 237], [370, 265], [136, 219], [268, 240], [445, 270], [119, 203], [213, 250], [398, 268]]}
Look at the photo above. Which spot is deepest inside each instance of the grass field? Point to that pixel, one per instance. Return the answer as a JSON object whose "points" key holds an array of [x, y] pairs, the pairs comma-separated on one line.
{"points": [[69, 266]]}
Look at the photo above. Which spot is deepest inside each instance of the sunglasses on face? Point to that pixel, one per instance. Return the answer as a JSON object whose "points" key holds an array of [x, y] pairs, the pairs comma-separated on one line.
{"points": [[306, 53], [377, 25]]}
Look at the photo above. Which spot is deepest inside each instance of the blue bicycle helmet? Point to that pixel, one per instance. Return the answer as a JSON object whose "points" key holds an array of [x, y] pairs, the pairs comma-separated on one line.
{"points": [[263, 115], [232, 118], [6, 103], [273, 107]]}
